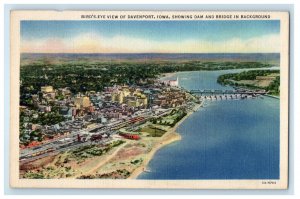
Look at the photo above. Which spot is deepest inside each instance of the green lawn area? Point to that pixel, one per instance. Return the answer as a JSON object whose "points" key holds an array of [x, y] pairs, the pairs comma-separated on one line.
{"points": [[171, 119], [152, 131]]}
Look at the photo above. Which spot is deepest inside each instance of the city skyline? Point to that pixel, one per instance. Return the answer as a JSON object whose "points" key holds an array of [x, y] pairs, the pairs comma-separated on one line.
{"points": [[150, 37]]}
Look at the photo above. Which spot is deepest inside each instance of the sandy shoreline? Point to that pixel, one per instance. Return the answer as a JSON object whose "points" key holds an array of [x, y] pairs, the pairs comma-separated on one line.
{"points": [[174, 137]]}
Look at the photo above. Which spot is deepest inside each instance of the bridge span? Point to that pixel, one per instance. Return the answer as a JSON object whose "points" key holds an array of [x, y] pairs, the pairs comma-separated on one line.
{"points": [[233, 92]]}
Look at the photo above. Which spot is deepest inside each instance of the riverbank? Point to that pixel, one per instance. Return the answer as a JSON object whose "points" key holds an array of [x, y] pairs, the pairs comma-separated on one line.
{"points": [[169, 137], [174, 137]]}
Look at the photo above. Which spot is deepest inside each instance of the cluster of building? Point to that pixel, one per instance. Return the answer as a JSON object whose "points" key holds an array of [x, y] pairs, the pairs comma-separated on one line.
{"points": [[114, 103], [132, 97], [169, 98]]}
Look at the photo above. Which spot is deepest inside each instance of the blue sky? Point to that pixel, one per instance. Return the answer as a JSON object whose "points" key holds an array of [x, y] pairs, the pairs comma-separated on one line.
{"points": [[159, 32]]}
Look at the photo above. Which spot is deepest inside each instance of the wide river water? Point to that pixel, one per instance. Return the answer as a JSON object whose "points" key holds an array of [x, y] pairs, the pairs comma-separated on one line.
{"points": [[234, 139]]}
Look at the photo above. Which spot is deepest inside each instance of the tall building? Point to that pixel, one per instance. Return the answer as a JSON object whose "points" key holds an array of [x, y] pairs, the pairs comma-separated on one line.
{"points": [[117, 97], [82, 102], [120, 95], [143, 100]]}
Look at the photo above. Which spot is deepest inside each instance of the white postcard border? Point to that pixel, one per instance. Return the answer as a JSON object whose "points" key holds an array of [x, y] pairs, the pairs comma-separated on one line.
{"points": [[17, 16]]}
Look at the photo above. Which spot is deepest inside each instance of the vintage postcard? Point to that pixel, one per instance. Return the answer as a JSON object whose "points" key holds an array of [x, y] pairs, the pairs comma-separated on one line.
{"points": [[148, 99]]}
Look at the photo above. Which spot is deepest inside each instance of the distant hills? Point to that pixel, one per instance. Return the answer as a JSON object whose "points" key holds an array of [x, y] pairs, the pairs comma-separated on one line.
{"points": [[27, 58]]}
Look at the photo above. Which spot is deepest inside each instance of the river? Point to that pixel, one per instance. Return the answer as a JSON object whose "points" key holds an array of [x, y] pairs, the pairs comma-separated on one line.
{"points": [[234, 139]]}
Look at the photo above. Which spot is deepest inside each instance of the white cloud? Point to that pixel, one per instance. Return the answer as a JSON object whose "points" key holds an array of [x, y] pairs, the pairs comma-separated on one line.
{"points": [[95, 43]]}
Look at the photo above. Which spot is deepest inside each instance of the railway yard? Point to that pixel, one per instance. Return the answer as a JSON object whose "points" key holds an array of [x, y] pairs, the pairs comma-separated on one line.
{"points": [[99, 134]]}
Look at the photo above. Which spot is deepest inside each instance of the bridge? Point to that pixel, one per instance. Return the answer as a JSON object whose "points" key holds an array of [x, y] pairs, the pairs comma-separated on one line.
{"points": [[223, 92]]}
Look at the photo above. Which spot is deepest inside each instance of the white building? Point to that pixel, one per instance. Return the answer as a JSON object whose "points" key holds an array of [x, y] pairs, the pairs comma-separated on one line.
{"points": [[172, 82]]}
